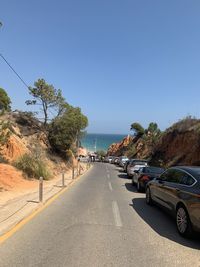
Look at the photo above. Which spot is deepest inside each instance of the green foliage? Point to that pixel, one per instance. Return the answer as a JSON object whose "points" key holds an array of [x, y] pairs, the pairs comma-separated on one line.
{"points": [[153, 132], [101, 153], [153, 127], [3, 160], [47, 97], [186, 124], [5, 132], [5, 101], [66, 130], [33, 167], [137, 128], [25, 118], [131, 151]]}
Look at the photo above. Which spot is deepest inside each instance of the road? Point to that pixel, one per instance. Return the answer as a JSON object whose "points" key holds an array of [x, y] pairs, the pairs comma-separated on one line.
{"points": [[100, 221]]}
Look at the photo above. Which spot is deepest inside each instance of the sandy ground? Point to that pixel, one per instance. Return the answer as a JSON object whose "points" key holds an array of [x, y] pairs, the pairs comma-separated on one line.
{"points": [[19, 196], [13, 184]]}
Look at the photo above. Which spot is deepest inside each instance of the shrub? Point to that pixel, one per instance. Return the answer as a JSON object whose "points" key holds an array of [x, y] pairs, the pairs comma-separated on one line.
{"points": [[131, 151], [33, 167], [3, 160]]}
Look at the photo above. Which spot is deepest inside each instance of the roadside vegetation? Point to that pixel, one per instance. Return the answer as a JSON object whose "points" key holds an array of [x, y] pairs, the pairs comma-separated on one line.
{"points": [[33, 167], [55, 126]]}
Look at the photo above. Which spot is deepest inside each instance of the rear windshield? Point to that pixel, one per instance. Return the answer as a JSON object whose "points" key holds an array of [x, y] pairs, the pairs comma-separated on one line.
{"points": [[153, 170]]}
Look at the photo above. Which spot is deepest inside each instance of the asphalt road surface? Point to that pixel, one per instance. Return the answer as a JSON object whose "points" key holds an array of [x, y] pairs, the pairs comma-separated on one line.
{"points": [[100, 221]]}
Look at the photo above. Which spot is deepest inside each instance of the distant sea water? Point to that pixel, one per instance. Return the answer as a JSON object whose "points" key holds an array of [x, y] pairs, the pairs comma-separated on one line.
{"points": [[101, 141]]}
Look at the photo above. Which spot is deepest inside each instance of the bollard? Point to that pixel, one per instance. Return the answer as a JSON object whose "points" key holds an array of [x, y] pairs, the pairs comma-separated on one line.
{"points": [[72, 172], [78, 168], [41, 189], [63, 179]]}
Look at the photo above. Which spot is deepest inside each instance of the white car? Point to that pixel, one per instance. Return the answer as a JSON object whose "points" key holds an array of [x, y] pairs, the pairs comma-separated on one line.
{"points": [[135, 167], [122, 161]]}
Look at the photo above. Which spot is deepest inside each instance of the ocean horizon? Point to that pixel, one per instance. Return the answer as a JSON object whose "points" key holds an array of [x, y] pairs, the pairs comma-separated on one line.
{"points": [[100, 141]]}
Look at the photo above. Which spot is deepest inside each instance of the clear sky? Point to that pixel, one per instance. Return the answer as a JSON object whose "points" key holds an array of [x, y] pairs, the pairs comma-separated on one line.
{"points": [[121, 61]]}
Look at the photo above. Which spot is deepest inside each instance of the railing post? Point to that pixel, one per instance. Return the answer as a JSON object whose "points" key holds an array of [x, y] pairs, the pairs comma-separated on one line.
{"points": [[41, 189], [78, 169], [63, 179]]}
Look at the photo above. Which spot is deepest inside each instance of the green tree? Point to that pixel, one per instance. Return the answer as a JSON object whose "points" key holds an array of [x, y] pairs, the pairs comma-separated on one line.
{"points": [[47, 97], [101, 153], [138, 129], [153, 127], [4, 101], [67, 129]]}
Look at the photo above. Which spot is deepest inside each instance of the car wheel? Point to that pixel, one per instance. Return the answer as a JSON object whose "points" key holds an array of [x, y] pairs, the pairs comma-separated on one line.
{"points": [[149, 200], [139, 189], [183, 223]]}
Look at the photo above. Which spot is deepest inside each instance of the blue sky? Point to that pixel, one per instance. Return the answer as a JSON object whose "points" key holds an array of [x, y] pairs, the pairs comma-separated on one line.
{"points": [[120, 61]]}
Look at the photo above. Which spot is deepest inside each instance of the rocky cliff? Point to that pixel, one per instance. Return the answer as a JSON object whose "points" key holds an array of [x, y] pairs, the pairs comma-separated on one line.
{"points": [[118, 149], [27, 136], [178, 145]]}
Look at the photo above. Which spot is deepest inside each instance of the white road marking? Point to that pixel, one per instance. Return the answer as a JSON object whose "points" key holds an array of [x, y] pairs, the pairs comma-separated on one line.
{"points": [[116, 214], [110, 186], [108, 175]]}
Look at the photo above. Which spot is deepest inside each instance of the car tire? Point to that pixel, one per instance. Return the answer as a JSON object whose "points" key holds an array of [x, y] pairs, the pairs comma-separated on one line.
{"points": [[139, 189], [183, 222], [149, 200]]}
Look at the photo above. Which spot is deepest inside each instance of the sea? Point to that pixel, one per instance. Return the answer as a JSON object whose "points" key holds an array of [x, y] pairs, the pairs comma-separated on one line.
{"points": [[96, 142]]}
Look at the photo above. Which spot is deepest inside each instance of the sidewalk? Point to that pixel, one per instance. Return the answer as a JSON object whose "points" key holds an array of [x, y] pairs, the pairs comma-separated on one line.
{"points": [[15, 209]]}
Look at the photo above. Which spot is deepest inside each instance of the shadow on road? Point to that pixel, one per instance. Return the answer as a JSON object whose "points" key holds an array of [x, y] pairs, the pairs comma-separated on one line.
{"points": [[120, 170], [123, 176], [131, 187], [162, 223]]}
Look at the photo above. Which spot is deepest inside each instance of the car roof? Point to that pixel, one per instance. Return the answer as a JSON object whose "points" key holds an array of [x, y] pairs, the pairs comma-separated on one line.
{"points": [[141, 160], [193, 170]]}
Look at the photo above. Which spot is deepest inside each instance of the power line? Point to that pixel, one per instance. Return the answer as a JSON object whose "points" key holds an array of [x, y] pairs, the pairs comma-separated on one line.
{"points": [[14, 71]]}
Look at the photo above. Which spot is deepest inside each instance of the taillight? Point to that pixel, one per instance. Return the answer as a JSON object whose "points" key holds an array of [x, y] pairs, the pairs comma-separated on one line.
{"points": [[145, 178]]}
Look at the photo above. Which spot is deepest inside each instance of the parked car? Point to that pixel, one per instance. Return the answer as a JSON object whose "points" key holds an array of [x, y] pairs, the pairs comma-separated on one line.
{"points": [[126, 165], [145, 174], [178, 191], [134, 165], [110, 158], [122, 161], [116, 160]]}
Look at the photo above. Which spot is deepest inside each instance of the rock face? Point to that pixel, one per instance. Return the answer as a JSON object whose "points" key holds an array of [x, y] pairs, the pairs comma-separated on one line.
{"points": [[25, 136], [180, 144], [117, 149], [82, 152], [15, 147]]}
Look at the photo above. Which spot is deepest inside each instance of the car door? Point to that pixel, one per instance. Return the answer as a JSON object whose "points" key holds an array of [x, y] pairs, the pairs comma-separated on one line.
{"points": [[137, 175], [160, 187], [169, 193]]}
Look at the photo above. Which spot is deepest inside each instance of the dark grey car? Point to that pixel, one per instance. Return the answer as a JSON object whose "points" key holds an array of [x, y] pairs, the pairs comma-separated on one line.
{"points": [[178, 191]]}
